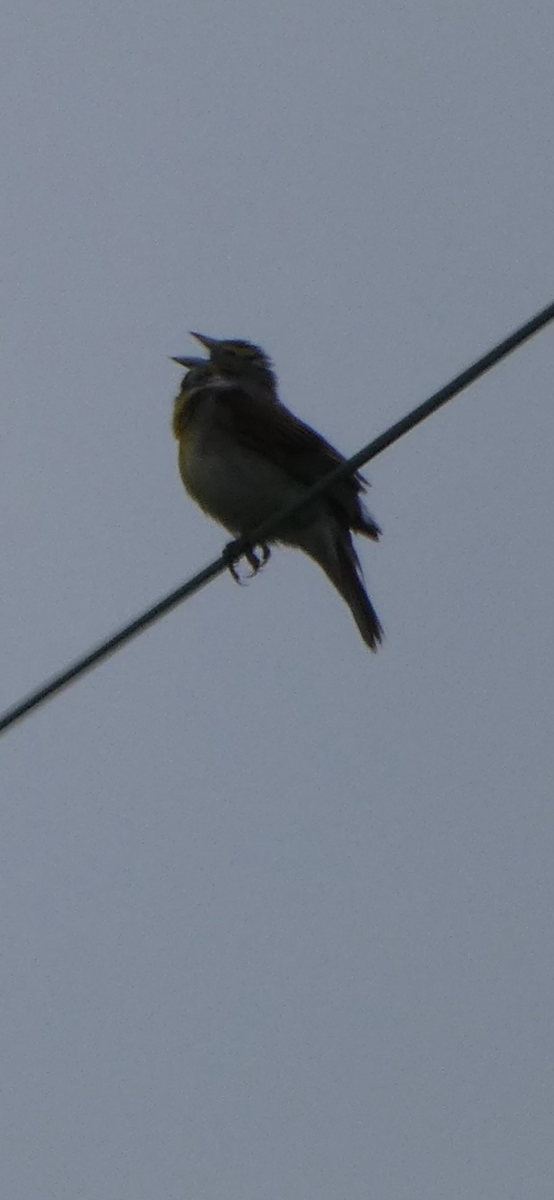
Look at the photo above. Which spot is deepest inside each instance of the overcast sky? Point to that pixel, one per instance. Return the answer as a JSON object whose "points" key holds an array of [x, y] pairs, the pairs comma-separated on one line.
{"points": [[276, 914]]}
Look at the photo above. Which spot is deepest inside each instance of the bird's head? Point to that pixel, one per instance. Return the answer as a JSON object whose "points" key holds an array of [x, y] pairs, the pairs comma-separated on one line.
{"points": [[236, 361]]}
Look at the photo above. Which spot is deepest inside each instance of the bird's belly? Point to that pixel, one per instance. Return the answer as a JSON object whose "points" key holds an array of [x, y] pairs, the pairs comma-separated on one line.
{"points": [[237, 488]]}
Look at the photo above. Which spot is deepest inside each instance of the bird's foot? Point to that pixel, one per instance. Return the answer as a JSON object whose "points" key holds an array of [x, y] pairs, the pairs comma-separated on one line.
{"points": [[255, 561]]}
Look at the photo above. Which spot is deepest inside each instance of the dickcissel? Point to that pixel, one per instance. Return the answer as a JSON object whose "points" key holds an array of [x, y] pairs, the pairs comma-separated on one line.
{"points": [[243, 456]]}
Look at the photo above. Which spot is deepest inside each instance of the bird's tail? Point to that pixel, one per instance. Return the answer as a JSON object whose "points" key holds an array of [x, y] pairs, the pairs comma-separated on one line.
{"points": [[338, 558]]}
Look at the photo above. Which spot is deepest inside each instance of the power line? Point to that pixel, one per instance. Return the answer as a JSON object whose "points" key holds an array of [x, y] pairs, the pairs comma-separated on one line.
{"points": [[268, 528]]}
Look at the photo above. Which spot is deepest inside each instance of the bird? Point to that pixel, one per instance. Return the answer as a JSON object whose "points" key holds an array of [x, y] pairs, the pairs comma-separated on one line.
{"points": [[243, 456]]}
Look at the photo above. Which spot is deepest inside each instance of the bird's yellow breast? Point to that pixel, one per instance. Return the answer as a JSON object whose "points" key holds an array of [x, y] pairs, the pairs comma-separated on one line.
{"points": [[186, 431], [179, 420]]}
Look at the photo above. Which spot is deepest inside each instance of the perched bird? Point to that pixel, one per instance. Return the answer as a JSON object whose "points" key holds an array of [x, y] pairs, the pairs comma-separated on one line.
{"points": [[243, 456]]}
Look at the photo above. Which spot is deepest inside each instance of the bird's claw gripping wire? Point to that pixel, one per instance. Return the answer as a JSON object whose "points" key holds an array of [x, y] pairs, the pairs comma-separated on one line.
{"points": [[255, 561]]}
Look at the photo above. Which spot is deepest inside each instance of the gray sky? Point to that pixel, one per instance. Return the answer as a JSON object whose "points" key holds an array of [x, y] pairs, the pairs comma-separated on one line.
{"points": [[276, 914]]}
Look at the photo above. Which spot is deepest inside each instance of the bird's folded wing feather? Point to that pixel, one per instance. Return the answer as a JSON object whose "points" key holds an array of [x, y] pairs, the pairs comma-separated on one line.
{"points": [[273, 431]]}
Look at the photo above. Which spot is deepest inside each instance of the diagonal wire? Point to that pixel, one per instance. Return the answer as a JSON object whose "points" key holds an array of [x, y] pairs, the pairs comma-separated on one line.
{"points": [[270, 527]]}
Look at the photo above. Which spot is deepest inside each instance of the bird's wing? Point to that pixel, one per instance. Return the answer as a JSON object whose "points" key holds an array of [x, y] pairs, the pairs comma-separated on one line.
{"points": [[272, 430], [275, 432]]}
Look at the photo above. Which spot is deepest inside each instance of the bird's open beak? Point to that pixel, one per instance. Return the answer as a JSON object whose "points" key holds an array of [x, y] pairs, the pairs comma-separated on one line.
{"points": [[209, 342], [190, 362]]}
